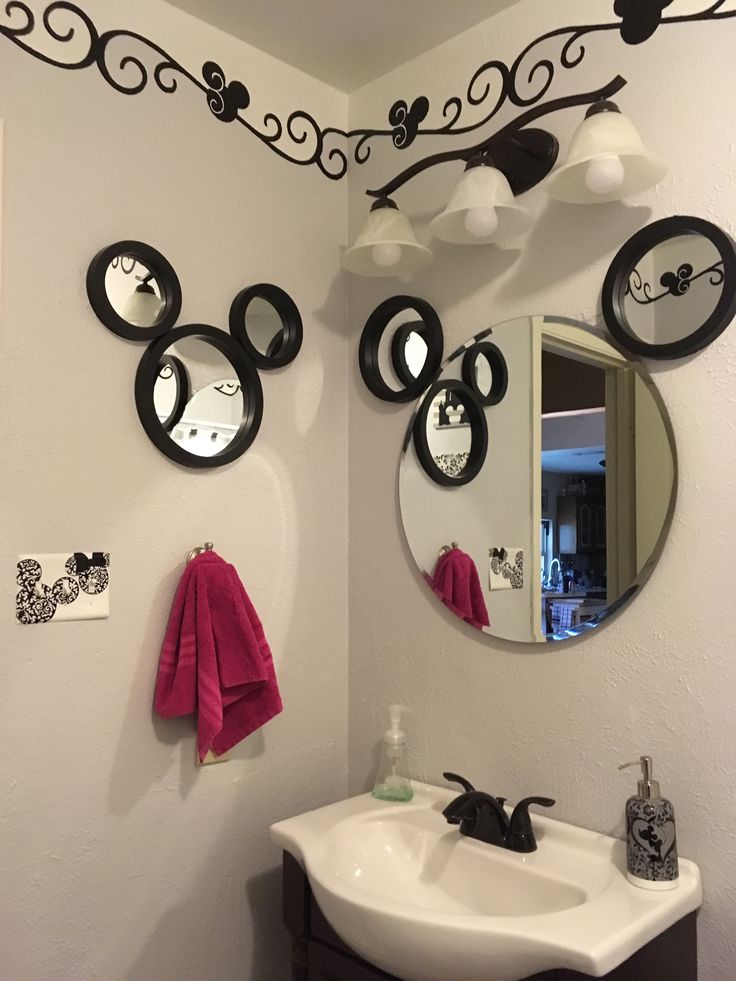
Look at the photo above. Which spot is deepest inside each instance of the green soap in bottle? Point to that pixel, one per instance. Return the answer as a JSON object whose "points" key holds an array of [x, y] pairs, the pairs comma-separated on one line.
{"points": [[392, 780]]}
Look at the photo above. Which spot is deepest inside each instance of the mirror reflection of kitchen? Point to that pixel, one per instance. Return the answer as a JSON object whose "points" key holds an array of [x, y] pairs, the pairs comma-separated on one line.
{"points": [[574, 555], [604, 490]]}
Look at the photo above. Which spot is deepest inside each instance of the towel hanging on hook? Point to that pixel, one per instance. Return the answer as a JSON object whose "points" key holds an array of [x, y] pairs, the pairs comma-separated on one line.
{"points": [[446, 548]]}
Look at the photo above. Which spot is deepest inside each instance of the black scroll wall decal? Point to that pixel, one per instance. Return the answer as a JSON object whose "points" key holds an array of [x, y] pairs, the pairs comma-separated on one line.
{"points": [[300, 138], [676, 283]]}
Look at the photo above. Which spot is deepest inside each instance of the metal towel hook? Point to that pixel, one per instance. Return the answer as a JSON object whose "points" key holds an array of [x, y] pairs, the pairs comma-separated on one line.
{"points": [[208, 546]]}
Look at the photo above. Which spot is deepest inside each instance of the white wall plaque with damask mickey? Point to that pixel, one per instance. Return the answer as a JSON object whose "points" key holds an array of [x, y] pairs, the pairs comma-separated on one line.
{"points": [[63, 586]]}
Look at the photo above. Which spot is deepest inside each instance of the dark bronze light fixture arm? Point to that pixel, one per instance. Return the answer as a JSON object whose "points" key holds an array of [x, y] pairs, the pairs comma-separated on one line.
{"points": [[509, 135]]}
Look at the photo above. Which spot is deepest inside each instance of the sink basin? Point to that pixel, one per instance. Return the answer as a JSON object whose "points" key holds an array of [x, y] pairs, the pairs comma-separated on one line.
{"points": [[412, 896]]}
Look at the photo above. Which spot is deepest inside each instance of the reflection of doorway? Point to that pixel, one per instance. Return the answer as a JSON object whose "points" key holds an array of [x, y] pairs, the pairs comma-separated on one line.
{"points": [[583, 411]]}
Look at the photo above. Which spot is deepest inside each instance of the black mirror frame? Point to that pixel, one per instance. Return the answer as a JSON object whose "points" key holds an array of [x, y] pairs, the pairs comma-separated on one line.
{"points": [[478, 431], [617, 279], [292, 328], [499, 372], [370, 341], [166, 279], [248, 377], [183, 388]]}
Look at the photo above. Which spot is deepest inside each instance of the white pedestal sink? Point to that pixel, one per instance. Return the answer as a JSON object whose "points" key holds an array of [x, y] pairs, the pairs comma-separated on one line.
{"points": [[411, 895]]}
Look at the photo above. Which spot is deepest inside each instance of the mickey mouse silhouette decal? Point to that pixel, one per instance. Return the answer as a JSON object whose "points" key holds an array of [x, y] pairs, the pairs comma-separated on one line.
{"points": [[197, 389], [37, 602]]}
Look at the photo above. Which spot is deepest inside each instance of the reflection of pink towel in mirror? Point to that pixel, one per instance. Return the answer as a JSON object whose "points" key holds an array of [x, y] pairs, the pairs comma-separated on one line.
{"points": [[457, 584]]}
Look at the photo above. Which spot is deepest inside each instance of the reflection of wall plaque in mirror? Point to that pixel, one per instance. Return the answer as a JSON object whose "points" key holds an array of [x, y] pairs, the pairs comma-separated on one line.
{"points": [[134, 291], [671, 289], [580, 423], [224, 404], [400, 348], [485, 372], [450, 434], [266, 321]]}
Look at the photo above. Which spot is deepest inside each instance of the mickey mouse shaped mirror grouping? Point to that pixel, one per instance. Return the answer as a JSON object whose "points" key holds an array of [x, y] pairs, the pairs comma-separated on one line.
{"points": [[197, 389]]}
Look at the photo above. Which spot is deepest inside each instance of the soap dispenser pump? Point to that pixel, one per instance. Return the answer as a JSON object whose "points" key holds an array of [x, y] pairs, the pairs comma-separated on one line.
{"points": [[392, 781], [651, 843]]}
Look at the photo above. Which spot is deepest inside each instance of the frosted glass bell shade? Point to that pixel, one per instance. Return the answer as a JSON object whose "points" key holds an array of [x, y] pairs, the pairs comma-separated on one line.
{"points": [[386, 246], [143, 308], [608, 161], [482, 209]]}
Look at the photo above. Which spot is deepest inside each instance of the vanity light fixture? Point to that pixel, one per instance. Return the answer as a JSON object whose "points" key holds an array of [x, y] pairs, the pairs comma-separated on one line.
{"points": [[607, 160], [143, 306], [386, 245], [482, 207]]}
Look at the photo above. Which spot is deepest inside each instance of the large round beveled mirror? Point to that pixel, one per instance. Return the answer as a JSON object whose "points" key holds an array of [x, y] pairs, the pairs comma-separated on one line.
{"points": [[568, 514]]}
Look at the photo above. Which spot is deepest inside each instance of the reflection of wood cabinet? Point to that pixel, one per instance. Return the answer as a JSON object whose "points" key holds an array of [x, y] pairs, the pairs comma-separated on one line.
{"points": [[581, 524], [600, 526]]}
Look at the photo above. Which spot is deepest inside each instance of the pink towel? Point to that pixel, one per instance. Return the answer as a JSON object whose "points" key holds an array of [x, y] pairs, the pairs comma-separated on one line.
{"points": [[215, 658], [457, 584]]}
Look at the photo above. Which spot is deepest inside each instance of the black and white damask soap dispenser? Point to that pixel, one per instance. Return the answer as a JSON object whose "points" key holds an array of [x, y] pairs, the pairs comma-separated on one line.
{"points": [[651, 843]]}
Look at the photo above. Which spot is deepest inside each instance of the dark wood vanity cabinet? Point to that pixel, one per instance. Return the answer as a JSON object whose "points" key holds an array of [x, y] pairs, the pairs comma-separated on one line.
{"points": [[318, 954]]}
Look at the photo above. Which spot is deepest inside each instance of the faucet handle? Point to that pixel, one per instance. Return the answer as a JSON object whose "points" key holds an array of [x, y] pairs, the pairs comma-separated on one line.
{"points": [[456, 778], [520, 820], [521, 833]]}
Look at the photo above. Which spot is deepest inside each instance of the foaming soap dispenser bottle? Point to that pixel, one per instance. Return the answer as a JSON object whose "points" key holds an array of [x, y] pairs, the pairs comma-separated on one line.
{"points": [[651, 843], [392, 780]]}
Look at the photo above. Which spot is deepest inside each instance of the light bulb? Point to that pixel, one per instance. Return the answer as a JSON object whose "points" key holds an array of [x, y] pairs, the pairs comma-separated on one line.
{"points": [[481, 222], [604, 175], [386, 254]]}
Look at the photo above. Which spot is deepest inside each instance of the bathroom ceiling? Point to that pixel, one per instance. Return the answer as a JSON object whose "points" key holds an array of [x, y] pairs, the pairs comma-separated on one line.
{"points": [[346, 43]]}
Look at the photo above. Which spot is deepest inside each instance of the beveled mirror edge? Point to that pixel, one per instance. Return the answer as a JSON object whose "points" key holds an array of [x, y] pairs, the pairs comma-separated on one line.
{"points": [[166, 278], [631, 252], [575, 635]]}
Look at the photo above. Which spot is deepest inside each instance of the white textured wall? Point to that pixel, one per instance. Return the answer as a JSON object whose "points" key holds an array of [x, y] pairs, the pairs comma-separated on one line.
{"points": [[120, 860], [660, 679]]}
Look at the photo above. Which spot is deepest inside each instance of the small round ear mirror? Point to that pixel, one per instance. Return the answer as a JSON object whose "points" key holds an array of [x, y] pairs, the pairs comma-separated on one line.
{"points": [[266, 322], [400, 348], [134, 291], [671, 290], [451, 434], [485, 373]]}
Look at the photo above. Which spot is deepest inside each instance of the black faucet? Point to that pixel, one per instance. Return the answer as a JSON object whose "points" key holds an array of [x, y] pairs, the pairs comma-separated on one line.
{"points": [[483, 817]]}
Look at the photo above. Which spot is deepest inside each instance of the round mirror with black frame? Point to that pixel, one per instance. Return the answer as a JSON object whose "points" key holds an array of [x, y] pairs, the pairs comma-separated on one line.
{"points": [[565, 522], [485, 372], [671, 290], [224, 406], [267, 322], [400, 349], [450, 434], [134, 291]]}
